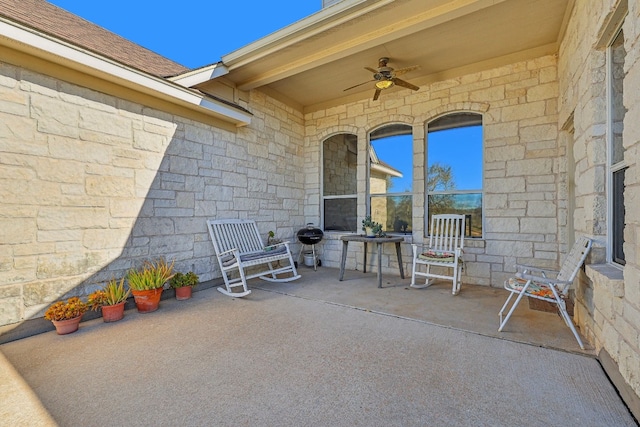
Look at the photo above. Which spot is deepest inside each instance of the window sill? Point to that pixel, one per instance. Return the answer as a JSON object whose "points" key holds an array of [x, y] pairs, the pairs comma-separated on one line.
{"points": [[607, 277]]}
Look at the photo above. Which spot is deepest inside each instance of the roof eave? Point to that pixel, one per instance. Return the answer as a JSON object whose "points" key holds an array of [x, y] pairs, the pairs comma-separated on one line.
{"points": [[30, 41], [317, 23]]}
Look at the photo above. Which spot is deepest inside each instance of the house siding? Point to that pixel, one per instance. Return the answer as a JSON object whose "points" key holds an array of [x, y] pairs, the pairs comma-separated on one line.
{"points": [[91, 185], [608, 299], [523, 208]]}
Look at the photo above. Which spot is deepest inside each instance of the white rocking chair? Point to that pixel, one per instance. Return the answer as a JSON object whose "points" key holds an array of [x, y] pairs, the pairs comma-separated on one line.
{"points": [[238, 247], [535, 283], [446, 244]]}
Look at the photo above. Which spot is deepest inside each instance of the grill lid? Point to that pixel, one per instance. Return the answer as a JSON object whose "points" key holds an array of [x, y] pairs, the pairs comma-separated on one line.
{"points": [[309, 235]]}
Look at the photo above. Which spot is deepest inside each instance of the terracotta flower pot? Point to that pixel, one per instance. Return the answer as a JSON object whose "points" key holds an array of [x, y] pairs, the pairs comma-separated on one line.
{"points": [[148, 300], [67, 326], [183, 293], [113, 313]]}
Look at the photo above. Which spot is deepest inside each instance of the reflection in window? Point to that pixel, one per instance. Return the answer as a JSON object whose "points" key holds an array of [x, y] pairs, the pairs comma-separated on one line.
{"points": [[391, 177], [339, 165], [615, 67], [454, 169]]}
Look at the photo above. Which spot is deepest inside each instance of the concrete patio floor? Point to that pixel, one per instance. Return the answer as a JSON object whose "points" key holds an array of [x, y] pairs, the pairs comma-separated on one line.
{"points": [[316, 351]]}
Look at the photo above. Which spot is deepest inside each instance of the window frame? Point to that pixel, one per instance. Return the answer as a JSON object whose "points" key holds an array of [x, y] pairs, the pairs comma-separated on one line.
{"points": [[323, 197], [613, 168], [427, 193], [369, 195]]}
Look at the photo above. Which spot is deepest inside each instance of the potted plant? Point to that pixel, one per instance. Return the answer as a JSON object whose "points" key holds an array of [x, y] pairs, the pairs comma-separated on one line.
{"points": [[110, 300], [183, 284], [66, 315], [146, 283], [371, 228], [271, 239]]}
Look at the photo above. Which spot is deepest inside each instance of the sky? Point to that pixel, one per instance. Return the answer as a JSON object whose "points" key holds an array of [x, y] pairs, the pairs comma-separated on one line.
{"points": [[466, 164], [193, 33]]}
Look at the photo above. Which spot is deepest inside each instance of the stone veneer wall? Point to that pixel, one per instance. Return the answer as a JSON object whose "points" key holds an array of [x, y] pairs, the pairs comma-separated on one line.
{"points": [[608, 305], [92, 185], [524, 214]]}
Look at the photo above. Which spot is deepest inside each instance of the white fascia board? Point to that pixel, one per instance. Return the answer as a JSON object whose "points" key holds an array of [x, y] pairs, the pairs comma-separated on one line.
{"points": [[86, 61], [317, 23], [386, 170], [201, 75]]}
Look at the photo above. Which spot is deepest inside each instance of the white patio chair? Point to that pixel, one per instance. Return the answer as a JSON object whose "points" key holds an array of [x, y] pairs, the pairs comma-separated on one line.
{"points": [[239, 248], [446, 244], [536, 283]]}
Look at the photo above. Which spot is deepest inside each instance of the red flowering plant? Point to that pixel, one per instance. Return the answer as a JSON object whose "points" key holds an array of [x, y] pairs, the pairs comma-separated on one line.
{"points": [[64, 310]]}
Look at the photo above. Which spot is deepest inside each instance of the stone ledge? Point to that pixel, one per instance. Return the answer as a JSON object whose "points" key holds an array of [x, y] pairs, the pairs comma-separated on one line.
{"points": [[607, 277]]}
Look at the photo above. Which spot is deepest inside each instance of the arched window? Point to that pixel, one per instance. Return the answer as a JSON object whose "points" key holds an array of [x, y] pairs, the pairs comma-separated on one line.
{"points": [[339, 184], [391, 177], [454, 169]]}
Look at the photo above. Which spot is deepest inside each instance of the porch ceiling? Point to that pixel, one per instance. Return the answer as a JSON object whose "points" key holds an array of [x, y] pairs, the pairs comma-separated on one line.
{"points": [[310, 63]]}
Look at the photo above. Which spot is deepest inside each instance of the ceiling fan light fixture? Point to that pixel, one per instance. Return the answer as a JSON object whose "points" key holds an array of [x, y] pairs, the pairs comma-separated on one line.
{"points": [[384, 84]]}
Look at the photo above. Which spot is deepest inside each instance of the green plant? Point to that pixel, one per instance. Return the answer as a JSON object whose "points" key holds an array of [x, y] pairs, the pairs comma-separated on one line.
{"points": [[152, 275], [112, 293], [367, 222], [375, 227], [180, 280], [64, 310]]}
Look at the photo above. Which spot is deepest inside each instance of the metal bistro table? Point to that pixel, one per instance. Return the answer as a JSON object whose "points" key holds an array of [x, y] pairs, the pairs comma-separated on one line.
{"points": [[379, 241]]}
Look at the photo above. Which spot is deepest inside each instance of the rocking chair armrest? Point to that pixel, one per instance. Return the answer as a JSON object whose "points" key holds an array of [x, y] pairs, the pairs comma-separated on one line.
{"points": [[227, 252]]}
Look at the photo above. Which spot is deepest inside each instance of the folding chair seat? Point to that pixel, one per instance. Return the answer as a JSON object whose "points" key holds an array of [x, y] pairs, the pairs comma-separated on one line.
{"points": [[536, 283]]}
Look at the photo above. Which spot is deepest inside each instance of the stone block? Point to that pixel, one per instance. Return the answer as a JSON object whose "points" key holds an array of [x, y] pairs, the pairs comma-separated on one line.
{"points": [[110, 186], [10, 310]]}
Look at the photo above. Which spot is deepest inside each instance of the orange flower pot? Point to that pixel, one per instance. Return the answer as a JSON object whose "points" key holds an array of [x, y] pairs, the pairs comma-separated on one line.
{"points": [[113, 313], [67, 326], [148, 300], [183, 293]]}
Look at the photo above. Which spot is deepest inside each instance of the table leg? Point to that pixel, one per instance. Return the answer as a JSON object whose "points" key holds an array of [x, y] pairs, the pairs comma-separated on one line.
{"points": [[364, 268], [379, 250], [399, 253], [344, 258]]}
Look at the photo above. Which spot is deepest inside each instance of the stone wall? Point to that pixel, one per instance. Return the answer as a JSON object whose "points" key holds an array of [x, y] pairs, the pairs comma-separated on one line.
{"points": [[608, 299], [92, 185], [524, 214]]}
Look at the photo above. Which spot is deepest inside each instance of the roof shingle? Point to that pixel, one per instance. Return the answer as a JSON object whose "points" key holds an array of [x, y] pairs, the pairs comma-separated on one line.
{"points": [[52, 20]]}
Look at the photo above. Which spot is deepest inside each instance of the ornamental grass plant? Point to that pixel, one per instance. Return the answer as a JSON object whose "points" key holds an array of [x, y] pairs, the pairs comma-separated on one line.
{"points": [[112, 293], [152, 275]]}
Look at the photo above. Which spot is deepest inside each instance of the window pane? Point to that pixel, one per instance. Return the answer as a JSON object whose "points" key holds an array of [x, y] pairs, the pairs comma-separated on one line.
{"points": [[454, 159], [341, 214], [339, 165], [393, 212], [391, 167], [462, 204], [618, 217], [617, 107]]}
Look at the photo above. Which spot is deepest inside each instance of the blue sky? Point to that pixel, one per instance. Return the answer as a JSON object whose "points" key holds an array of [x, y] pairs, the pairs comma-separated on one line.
{"points": [[193, 33], [466, 163]]}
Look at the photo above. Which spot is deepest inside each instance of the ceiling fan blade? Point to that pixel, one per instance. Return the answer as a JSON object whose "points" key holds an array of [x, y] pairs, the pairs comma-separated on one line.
{"points": [[377, 94], [402, 83], [359, 84], [404, 70], [373, 70]]}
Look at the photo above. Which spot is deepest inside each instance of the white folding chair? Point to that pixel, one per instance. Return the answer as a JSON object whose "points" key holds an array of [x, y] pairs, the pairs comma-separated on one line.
{"points": [[446, 244], [535, 283]]}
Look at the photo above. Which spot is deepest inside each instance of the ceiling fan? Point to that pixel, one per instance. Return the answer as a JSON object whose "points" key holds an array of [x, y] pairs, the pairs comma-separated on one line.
{"points": [[386, 77]]}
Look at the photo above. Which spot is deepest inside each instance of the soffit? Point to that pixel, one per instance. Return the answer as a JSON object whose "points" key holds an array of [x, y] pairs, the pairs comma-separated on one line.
{"points": [[312, 67]]}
